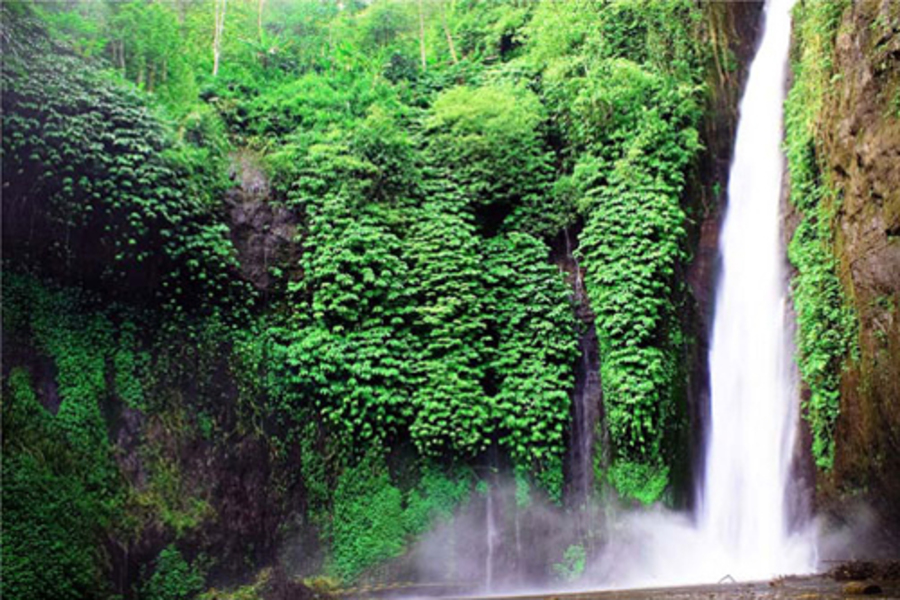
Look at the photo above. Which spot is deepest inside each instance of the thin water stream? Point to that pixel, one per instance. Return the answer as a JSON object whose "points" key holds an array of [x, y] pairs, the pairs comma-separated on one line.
{"points": [[742, 511]]}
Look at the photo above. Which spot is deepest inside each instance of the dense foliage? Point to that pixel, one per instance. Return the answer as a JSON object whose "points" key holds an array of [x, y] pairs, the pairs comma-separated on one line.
{"points": [[173, 577], [61, 489], [625, 92]]}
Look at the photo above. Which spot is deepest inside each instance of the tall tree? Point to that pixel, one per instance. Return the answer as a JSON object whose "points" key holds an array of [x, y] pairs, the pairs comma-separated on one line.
{"points": [[259, 14], [449, 36], [422, 33], [221, 5]]}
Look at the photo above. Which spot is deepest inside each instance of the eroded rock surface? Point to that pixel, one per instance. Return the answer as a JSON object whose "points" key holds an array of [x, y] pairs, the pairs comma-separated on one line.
{"points": [[861, 144]]}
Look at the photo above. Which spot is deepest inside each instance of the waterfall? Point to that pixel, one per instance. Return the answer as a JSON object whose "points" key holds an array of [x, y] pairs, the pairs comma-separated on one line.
{"points": [[587, 396], [490, 532], [742, 510]]}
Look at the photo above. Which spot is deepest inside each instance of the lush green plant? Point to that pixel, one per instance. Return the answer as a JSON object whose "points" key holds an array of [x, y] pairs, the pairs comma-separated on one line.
{"points": [[173, 577], [367, 523], [49, 519], [60, 490], [373, 519], [148, 48], [59, 467], [533, 381], [488, 141], [452, 410], [572, 565], [625, 94], [79, 345], [826, 323], [436, 497], [644, 482], [96, 173]]}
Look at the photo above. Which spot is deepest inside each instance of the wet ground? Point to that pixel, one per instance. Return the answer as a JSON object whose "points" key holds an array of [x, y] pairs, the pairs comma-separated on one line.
{"points": [[806, 588], [850, 580]]}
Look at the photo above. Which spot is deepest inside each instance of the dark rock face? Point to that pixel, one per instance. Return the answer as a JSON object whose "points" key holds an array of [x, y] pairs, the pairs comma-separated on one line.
{"points": [[861, 144], [127, 440], [281, 587], [587, 395], [264, 233], [231, 471], [247, 512]]}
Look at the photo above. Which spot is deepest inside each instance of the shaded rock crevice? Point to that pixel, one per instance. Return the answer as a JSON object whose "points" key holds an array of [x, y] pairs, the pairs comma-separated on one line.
{"points": [[264, 232]]}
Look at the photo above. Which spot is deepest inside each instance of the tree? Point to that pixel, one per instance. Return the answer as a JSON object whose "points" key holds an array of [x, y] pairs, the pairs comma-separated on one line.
{"points": [[259, 14], [450, 43], [221, 5], [422, 33]]}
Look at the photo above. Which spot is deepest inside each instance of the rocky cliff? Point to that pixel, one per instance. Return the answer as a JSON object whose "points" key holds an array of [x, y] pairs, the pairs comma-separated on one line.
{"points": [[860, 150], [843, 146]]}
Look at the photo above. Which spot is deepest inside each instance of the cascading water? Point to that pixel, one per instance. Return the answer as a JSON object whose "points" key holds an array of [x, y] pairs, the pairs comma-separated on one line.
{"points": [[490, 533], [741, 528], [753, 383], [587, 396]]}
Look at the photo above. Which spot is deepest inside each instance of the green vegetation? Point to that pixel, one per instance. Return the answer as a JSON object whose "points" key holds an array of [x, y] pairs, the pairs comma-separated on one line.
{"points": [[373, 519], [61, 489], [625, 91], [572, 565], [826, 323], [95, 172], [173, 577]]}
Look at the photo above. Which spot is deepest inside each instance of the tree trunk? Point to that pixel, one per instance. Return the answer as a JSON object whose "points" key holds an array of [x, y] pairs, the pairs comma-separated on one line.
{"points": [[449, 37], [422, 33], [259, 13], [119, 54], [221, 5]]}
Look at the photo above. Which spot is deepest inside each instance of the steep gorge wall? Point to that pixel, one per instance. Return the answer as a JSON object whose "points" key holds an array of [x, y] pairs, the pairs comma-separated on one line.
{"points": [[859, 151]]}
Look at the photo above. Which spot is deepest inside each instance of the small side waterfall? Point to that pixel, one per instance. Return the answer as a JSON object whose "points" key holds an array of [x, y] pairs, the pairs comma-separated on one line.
{"points": [[742, 511], [490, 532], [587, 397]]}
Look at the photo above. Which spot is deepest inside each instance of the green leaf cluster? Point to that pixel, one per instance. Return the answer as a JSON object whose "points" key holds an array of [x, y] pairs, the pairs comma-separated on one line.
{"points": [[173, 578], [104, 181], [373, 519], [625, 94], [61, 489]]}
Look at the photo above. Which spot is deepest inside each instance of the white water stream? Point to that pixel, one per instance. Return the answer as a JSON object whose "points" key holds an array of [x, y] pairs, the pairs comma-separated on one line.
{"points": [[753, 382], [490, 533]]}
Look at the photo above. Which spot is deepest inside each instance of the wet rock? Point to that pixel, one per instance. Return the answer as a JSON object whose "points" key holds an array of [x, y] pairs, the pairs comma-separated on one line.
{"points": [[860, 148], [263, 232], [856, 570], [281, 587], [128, 439], [856, 588]]}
